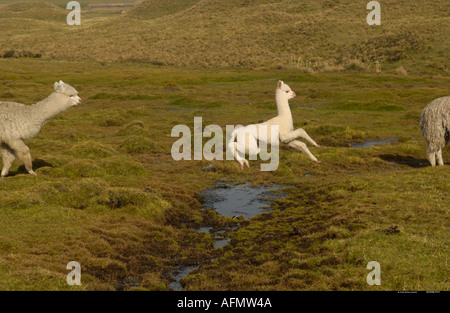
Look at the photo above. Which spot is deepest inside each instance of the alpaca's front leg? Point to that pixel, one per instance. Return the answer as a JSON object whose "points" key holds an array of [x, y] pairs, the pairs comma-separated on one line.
{"points": [[303, 148], [8, 159], [23, 153], [298, 133], [431, 156], [302, 134]]}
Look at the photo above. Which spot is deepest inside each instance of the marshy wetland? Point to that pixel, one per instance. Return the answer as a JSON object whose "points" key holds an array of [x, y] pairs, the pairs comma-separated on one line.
{"points": [[109, 195]]}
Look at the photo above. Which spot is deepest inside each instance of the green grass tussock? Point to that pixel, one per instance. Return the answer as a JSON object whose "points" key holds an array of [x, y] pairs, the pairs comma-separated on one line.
{"points": [[91, 149], [134, 128], [137, 144]]}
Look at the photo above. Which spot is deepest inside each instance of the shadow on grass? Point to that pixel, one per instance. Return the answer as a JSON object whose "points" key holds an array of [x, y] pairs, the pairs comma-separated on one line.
{"points": [[405, 160], [38, 163]]}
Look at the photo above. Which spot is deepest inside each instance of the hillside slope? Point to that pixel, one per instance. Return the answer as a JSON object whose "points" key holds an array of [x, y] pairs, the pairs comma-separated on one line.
{"points": [[308, 35], [32, 10], [159, 8]]}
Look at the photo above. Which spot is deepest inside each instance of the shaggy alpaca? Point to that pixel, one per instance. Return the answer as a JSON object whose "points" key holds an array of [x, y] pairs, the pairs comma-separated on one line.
{"points": [[287, 134], [435, 126], [19, 123]]}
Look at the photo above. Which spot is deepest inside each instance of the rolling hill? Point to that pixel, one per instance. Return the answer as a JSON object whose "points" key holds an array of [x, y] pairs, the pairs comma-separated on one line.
{"points": [[32, 11], [306, 35]]}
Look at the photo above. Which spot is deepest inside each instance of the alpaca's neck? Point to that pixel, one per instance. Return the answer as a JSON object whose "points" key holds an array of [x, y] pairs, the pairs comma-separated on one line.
{"points": [[283, 105], [49, 108]]}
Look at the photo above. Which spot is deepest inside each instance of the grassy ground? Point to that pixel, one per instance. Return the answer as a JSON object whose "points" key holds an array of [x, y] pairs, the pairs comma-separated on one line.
{"points": [[109, 195]]}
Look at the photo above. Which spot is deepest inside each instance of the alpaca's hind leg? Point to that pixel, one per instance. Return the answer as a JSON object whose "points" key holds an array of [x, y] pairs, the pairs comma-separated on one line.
{"points": [[243, 163], [239, 154], [440, 161], [240, 157], [8, 159], [302, 147], [23, 153]]}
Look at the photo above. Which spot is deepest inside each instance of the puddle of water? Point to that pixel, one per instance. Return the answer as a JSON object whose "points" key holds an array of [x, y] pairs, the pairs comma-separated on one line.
{"points": [[241, 200], [206, 229], [221, 243], [373, 143]]}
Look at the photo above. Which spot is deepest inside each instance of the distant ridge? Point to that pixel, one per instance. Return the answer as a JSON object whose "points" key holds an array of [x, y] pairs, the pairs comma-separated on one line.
{"points": [[32, 10], [112, 5], [307, 35]]}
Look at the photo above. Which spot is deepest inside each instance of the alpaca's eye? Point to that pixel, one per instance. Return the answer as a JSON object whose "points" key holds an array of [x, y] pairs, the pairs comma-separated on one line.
{"points": [[287, 91]]}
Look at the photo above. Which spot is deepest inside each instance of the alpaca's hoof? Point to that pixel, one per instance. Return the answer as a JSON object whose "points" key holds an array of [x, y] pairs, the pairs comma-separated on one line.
{"points": [[32, 173], [318, 162], [317, 146]]}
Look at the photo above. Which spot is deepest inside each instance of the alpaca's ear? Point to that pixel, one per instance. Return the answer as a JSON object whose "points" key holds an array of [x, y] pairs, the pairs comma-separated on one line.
{"points": [[58, 87], [61, 82], [280, 83]]}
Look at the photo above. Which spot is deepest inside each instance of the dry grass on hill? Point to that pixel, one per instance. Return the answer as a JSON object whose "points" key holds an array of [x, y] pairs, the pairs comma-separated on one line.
{"points": [[304, 35]]}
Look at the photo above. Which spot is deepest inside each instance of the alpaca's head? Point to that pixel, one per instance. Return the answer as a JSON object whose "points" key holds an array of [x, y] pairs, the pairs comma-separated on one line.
{"points": [[68, 91], [284, 90]]}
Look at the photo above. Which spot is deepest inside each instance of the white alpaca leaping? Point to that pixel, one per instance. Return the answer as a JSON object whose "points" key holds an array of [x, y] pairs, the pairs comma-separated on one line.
{"points": [[286, 132], [19, 123]]}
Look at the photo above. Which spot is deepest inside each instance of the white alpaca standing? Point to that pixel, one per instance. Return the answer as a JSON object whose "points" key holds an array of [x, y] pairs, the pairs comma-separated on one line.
{"points": [[19, 123], [435, 126], [287, 134]]}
